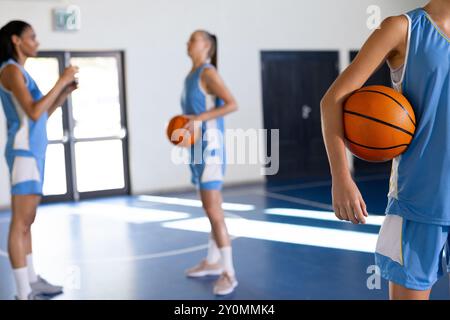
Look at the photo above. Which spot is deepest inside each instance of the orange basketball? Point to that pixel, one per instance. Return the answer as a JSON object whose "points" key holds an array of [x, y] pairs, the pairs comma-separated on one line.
{"points": [[178, 135], [379, 123]]}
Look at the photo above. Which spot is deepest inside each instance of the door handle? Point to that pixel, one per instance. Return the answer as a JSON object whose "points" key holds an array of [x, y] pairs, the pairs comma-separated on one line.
{"points": [[306, 110], [65, 137], [123, 133]]}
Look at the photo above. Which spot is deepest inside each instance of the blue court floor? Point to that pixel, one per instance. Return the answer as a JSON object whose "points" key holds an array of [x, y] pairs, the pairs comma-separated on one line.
{"points": [[287, 244]]}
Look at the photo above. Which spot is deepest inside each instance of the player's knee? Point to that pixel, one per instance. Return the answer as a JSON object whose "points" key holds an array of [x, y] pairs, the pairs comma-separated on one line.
{"points": [[22, 226]]}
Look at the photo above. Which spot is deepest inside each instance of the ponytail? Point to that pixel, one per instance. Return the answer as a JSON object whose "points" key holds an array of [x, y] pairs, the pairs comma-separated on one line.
{"points": [[212, 54]]}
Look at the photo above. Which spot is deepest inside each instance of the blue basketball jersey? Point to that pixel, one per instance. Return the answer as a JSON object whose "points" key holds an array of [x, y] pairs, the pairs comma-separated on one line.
{"points": [[420, 178], [25, 136], [207, 156]]}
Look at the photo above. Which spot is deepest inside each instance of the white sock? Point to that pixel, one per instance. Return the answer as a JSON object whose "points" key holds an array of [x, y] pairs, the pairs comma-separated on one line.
{"points": [[213, 252], [227, 260], [32, 276], [22, 283]]}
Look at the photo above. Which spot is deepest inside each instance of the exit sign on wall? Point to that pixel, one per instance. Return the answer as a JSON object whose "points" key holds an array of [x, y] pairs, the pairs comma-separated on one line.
{"points": [[67, 18]]}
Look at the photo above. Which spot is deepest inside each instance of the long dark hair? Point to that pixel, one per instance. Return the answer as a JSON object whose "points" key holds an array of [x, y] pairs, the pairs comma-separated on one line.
{"points": [[12, 28], [212, 54]]}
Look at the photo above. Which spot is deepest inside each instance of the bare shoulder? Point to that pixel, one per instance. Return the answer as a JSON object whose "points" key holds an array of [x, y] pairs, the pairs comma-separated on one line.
{"points": [[11, 73], [395, 29], [11, 70], [210, 73], [210, 78], [396, 24]]}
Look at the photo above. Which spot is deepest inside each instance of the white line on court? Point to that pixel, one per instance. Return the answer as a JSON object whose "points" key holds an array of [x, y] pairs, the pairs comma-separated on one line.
{"points": [[375, 220], [323, 183], [3, 253], [195, 203], [299, 200]]}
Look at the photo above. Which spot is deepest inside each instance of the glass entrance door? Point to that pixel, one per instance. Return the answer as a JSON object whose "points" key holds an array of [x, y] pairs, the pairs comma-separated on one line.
{"points": [[87, 153]]}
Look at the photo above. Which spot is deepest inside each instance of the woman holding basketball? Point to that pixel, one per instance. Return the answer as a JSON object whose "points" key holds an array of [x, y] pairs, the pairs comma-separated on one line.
{"points": [[27, 111], [205, 101], [415, 233]]}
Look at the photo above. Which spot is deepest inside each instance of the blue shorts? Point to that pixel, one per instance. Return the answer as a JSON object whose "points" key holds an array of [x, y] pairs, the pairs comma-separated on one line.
{"points": [[26, 173], [208, 176], [412, 254], [207, 162]]}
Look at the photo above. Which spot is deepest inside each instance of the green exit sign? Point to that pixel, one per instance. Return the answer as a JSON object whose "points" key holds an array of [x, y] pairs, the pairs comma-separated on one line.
{"points": [[67, 18]]}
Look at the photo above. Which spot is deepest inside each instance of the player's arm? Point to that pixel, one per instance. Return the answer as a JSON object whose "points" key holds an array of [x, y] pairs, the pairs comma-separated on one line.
{"points": [[13, 80], [387, 42], [62, 97], [216, 87]]}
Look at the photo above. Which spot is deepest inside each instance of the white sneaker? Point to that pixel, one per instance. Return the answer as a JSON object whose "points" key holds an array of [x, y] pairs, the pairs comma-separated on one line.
{"points": [[204, 269], [225, 284], [42, 286]]}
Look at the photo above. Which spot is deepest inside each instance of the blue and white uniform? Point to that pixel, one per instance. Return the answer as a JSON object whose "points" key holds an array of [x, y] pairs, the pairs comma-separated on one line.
{"points": [[207, 155], [414, 238], [27, 139]]}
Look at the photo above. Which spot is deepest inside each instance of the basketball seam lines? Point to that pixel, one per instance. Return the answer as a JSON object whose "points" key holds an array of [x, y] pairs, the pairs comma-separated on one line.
{"points": [[401, 106], [380, 121], [377, 148]]}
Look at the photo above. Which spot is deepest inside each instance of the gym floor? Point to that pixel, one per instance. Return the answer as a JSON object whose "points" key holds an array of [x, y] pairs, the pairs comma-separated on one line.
{"points": [[287, 245]]}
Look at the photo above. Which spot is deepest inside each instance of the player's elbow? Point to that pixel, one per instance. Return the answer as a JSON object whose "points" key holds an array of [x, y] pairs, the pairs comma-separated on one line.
{"points": [[34, 116], [32, 113], [234, 106], [324, 102]]}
